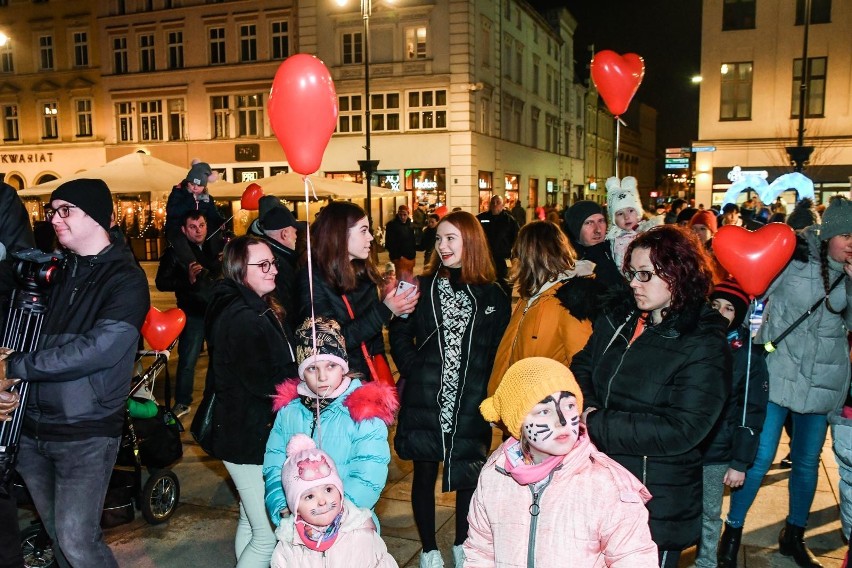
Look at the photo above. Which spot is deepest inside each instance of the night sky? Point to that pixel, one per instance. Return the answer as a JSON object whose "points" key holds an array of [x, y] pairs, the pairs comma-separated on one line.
{"points": [[667, 34]]}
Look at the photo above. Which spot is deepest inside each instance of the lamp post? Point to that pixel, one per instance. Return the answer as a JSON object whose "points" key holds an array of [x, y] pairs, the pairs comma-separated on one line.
{"points": [[367, 165], [800, 153]]}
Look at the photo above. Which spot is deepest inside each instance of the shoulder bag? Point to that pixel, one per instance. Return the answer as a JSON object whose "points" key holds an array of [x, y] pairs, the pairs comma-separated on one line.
{"points": [[379, 368]]}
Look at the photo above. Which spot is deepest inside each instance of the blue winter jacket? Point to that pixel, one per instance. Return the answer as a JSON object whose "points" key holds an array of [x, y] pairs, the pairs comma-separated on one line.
{"points": [[354, 430]]}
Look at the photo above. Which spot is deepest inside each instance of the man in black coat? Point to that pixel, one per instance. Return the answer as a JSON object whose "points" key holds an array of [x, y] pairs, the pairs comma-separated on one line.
{"points": [[193, 288], [585, 225], [501, 230], [400, 243], [278, 228]]}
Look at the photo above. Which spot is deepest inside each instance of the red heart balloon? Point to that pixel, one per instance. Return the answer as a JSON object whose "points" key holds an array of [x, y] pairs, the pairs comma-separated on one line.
{"points": [[303, 111], [162, 328], [251, 197], [754, 258], [617, 78]]}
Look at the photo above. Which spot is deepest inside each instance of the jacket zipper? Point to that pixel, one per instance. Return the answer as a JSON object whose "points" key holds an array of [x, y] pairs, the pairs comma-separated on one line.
{"points": [[612, 376], [461, 389], [535, 509], [644, 469]]}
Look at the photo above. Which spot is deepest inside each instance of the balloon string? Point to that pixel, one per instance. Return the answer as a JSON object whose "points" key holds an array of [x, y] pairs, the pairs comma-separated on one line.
{"points": [[617, 142], [309, 187], [752, 306]]}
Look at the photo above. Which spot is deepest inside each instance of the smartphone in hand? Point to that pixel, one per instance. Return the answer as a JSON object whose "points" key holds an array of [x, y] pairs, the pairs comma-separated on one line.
{"points": [[404, 288]]}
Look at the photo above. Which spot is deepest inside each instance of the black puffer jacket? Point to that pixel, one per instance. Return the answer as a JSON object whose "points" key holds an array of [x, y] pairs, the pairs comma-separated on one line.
{"points": [[657, 400], [249, 355], [371, 315], [285, 280], [416, 346]]}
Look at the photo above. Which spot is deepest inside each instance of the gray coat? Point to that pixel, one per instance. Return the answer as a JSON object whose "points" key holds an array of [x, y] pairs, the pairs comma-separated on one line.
{"points": [[809, 371]]}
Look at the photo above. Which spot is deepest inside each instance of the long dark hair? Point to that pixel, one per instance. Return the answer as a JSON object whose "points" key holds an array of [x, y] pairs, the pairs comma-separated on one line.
{"points": [[235, 267], [330, 247], [543, 252], [680, 260]]}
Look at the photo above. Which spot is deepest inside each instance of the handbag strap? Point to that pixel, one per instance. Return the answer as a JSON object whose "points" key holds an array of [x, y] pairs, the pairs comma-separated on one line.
{"points": [[364, 350], [770, 346]]}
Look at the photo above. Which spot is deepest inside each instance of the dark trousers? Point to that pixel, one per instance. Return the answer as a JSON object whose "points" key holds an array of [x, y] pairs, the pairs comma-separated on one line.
{"points": [[503, 275], [10, 536], [189, 347], [68, 483], [423, 505]]}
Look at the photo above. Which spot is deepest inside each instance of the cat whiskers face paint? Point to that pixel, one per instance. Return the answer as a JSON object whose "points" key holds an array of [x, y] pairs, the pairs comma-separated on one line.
{"points": [[552, 427]]}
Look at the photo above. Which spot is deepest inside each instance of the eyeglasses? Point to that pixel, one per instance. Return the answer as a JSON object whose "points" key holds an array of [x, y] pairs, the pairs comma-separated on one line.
{"points": [[265, 265], [62, 210], [640, 275]]}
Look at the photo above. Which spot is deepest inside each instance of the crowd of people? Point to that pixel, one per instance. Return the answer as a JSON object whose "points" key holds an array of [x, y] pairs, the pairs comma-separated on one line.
{"points": [[622, 378]]}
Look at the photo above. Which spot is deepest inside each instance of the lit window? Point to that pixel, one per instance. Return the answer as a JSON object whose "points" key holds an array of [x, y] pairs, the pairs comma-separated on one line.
{"points": [[736, 86], [50, 120], [415, 43], [427, 110]]}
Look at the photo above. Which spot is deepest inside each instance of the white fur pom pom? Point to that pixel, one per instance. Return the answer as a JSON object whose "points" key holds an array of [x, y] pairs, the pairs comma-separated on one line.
{"points": [[299, 443]]}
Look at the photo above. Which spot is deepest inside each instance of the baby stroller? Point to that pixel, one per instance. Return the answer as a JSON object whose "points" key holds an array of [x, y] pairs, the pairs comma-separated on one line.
{"points": [[150, 443]]}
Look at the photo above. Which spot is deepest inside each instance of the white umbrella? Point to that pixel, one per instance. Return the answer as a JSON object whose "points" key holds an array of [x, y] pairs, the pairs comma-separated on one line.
{"points": [[133, 173], [292, 186]]}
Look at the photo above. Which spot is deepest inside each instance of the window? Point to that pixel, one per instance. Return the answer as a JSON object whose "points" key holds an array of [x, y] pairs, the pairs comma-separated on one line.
{"points": [[7, 61], [485, 116], [815, 103], [175, 42], [350, 114], [280, 40], [147, 60], [485, 43], [45, 49], [517, 124], [551, 133], [125, 117], [83, 115], [150, 120], [217, 46], [177, 118], [415, 43], [820, 12], [508, 42], [50, 122], [427, 110], [536, 73], [519, 64], [119, 55], [505, 118], [250, 115], [248, 42], [352, 48], [384, 112], [81, 49], [550, 85], [221, 116], [738, 15], [736, 91], [10, 123], [534, 112]]}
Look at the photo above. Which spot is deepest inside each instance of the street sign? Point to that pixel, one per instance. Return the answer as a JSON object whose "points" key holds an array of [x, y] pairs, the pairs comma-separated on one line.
{"points": [[677, 166], [677, 160], [704, 148]]}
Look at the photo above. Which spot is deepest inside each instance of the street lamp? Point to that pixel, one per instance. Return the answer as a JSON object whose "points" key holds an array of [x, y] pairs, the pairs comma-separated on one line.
{"points": [[4, 39], [367, 165], [800, 154]]}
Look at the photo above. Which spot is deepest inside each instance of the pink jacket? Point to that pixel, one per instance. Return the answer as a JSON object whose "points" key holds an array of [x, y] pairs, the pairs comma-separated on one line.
{"points": [[358, 544], [591, 514]]}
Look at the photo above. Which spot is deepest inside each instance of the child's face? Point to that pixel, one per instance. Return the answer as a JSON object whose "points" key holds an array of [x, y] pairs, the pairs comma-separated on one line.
{"points": [[627, 218], [319, 505], [323, 377], [552, 427], [725, 308]]}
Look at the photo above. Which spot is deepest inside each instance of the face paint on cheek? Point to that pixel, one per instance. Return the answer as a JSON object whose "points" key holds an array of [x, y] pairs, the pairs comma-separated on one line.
{"points": [[543, 429]]}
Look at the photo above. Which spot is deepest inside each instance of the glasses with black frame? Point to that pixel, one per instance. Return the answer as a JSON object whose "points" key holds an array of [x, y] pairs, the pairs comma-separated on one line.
{"points": [[640, 275], [265, 265], [63, 211]]}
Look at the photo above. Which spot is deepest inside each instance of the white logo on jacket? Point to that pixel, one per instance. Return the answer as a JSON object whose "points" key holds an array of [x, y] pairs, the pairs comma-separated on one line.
{"points": [[490, 310]]}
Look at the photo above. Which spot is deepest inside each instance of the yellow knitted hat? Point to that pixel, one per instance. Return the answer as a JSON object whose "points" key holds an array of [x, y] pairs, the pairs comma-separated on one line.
{"points": [[525, 384]]}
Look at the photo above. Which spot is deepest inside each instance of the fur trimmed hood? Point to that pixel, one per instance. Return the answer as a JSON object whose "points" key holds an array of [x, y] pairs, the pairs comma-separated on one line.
{"points": [[363, 400]]}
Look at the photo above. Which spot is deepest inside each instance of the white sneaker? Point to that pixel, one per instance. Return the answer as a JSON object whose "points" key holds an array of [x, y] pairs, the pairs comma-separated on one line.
{"points": [[431, 559], [458, 555], [181, 410]]}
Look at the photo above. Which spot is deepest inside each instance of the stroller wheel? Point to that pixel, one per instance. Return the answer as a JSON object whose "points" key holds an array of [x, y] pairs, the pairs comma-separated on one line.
{"points": [[160, 496], [37, 548]]}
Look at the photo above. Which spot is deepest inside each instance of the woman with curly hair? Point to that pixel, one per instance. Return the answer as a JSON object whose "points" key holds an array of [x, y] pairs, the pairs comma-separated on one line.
{"points": [[445, 351], [345, 283], [655, 375]]}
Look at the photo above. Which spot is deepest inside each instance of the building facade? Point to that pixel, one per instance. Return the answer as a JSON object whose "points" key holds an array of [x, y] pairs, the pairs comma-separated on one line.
{"points": [[751, 64]]}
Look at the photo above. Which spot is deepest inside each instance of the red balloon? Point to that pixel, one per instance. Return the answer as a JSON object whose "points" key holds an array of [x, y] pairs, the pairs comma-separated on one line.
{"points": [[754, 258], [162, 328], [303, 111], [441, 211], [251, 197], [617, 78]]}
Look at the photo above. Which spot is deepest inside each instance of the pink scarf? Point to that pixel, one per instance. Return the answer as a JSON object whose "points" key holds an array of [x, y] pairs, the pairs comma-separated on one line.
{"points": [[523, 473]]}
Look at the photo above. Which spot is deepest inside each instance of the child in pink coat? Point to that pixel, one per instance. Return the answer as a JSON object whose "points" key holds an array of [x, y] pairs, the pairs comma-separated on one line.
{"points": [[327, 530], [547, 497]]}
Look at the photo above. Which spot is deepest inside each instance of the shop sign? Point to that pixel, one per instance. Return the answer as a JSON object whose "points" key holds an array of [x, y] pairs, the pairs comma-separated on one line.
{"points": [[427, 184], [246, 152], [33, 158]]}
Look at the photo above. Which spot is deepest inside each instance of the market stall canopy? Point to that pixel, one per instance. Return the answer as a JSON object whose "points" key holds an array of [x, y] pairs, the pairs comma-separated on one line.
{"points": [[291, 186], [133, 173]]}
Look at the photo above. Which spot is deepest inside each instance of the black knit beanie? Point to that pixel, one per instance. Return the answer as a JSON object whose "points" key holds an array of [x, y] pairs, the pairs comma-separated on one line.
{"points": [[90, 195], [577, 215]]}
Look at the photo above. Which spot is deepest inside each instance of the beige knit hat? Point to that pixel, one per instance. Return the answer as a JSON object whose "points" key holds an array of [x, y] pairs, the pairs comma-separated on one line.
{"points": [[525, 384]]}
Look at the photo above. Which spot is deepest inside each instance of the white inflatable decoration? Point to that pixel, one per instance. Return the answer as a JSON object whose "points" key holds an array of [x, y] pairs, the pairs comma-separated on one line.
{"points": [[768, 192]]}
